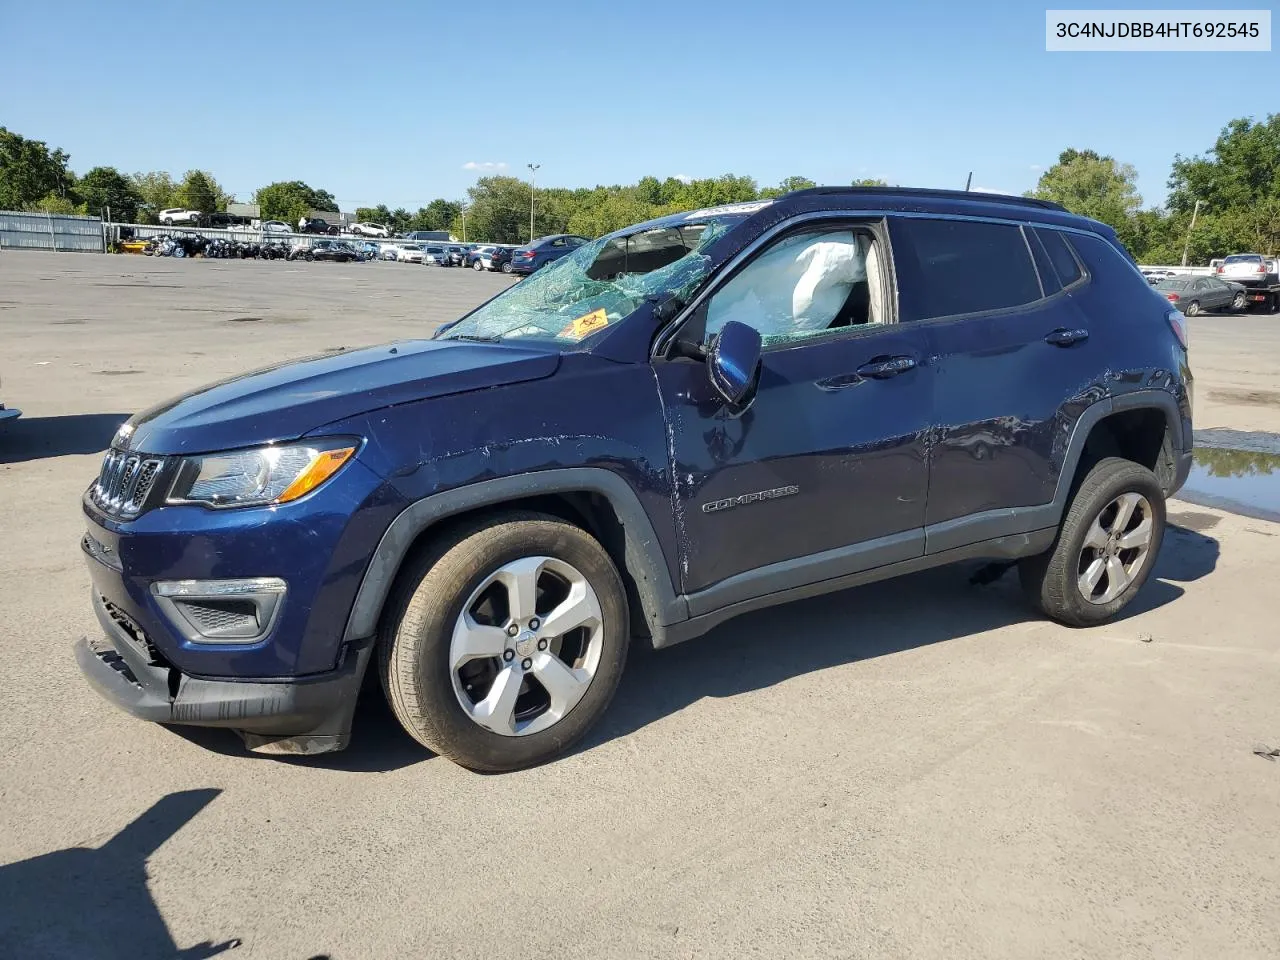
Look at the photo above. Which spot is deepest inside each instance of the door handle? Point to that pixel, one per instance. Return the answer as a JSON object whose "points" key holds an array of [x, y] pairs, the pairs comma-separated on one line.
{"points": [[1062, 337], [883, 368]]}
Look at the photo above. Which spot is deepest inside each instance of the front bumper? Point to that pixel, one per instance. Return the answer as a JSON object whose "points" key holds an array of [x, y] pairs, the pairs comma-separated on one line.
{"points": [[8, 413], [303, 716]]}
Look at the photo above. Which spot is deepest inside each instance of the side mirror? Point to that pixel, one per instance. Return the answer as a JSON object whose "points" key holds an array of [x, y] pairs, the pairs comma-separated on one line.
{"points": [[733, 362]]}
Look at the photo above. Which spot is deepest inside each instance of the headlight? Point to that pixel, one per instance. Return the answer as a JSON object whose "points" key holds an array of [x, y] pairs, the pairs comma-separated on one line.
{"points": [[260, 476]]}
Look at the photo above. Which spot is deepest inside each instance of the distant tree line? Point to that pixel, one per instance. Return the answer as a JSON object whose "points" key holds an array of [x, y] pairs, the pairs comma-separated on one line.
{"points": [[1237, 182]]}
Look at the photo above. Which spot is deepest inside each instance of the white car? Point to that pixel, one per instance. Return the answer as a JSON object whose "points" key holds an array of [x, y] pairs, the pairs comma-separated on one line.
{"points": [[176, 215], [369, 230], [410, 253], [276, 226]]}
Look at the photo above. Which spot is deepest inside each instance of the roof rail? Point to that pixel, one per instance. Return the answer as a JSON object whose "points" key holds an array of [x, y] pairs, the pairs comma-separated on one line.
{"points": [[976, 195]]}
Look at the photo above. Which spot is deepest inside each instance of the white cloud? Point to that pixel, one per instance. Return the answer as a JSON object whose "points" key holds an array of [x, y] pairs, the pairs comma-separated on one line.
{"points": [[683, 177], [988, 190], [485, 165], [1036, 166]]}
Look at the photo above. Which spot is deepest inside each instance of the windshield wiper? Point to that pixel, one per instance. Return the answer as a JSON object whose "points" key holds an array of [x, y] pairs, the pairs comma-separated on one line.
{"points": [[474, 338]]}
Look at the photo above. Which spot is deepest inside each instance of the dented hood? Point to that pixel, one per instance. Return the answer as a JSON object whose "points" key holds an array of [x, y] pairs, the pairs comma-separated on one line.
{"points": [[289, 400]]}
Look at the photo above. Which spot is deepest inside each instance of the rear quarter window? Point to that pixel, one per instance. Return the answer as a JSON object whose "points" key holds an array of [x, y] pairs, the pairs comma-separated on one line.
{"points": [[1063, 258], [955, 267]]}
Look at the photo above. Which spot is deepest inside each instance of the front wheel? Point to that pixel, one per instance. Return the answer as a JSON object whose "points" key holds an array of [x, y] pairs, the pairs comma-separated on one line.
{"points": [[505, 643], [478, 267], [1105, 548], [506, 267], [1193, 309]]}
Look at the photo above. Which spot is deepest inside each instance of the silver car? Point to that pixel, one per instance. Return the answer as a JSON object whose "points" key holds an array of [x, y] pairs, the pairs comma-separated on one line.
{"points": [[1251, 269]]}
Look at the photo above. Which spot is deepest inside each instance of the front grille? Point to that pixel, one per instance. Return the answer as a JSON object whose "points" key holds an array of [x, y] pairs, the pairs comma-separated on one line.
{"points": [[124, 482], [139, 636]]}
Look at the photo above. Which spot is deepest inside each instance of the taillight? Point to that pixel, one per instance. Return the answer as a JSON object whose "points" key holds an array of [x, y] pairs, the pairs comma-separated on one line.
{"points": [[1262, 268], [1178, 324], [1221, 270], [1171, 296]]}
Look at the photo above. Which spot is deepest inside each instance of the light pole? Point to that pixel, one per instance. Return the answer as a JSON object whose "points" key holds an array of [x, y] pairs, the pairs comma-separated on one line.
{"points": [[464, 222], [1192, 226], [533, 173]]}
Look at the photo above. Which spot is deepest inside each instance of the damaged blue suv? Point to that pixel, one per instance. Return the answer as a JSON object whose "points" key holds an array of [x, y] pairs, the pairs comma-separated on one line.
{"points": [[686, 420]]}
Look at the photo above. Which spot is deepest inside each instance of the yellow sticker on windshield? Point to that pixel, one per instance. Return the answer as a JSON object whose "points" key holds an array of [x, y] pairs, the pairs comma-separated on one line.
{"points": [[586, 324]]}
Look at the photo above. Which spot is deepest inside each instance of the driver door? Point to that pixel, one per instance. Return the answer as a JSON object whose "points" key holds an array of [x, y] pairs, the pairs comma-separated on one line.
{"points": [[824, 471]]}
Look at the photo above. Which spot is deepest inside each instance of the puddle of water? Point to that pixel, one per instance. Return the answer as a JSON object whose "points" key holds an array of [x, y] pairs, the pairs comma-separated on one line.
{"points": [[1240, 481]]}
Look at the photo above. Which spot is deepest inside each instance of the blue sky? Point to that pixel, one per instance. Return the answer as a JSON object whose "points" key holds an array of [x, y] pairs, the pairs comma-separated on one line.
{"points": [[421, 94]]}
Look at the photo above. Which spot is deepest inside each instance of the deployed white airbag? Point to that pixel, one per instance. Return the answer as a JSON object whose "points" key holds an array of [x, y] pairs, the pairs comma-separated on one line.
{"points": [[795, 287]]}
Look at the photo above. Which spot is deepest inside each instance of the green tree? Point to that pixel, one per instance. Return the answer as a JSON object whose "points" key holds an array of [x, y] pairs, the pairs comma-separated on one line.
{"points": [[289, 200], [787, 185], [618, 210], [1093, 186], [199, 191], [105, 189], [30, 172], [437, 215], [869, 182], [1238, 184], [54, 203], [157, 190]]}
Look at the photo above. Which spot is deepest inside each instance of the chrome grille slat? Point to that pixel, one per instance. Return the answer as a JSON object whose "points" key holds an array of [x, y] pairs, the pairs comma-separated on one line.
{"points": [[124, 482]]}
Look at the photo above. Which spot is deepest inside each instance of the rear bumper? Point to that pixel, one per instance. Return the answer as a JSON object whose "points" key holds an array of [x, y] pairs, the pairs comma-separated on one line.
{"points": [[1182, 470], [303, 716], [523, 267]]}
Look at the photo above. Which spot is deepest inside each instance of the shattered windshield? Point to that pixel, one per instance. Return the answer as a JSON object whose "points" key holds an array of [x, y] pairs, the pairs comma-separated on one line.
{"points": [[598, 284]]}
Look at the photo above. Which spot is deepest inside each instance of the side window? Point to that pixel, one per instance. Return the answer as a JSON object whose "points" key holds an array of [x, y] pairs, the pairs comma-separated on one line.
{"points": [[559, 242], [1201, 286], [952, 267], [805, 285], [1044, 266], [1059, 250]]}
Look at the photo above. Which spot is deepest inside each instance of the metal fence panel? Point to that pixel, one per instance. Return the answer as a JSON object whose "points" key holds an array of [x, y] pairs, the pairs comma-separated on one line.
{"points": [[50, 231]]}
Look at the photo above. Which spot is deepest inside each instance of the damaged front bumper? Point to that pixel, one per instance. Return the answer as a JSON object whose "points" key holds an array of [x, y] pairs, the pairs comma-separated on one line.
{"points": [[306, 715]]}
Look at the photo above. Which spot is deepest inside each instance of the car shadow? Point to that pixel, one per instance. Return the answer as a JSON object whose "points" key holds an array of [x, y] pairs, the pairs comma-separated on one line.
{"points": [[762, 649], [94, 902], [37, 438], [378, 742]]}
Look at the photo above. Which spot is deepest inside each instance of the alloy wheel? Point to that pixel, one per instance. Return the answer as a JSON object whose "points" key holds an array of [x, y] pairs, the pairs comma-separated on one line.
{"points": [[526, 646], [1115, 548]]}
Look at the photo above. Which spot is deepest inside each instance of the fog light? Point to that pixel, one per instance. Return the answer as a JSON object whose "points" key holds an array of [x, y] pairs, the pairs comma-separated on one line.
{"points": [[222, 611]]}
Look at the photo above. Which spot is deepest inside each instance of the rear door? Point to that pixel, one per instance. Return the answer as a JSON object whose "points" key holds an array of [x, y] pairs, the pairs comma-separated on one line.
{"points": [[1012, 353]]}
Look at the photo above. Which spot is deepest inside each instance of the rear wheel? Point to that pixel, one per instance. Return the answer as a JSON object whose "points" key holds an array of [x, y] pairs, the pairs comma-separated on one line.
{"points": [[478, 267], [505, 643], [506, 267], [1238, 301], [1105, 548]]}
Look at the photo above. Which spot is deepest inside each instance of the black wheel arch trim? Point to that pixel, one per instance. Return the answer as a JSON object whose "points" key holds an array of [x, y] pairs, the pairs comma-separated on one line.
{"points": [[644, 559]]}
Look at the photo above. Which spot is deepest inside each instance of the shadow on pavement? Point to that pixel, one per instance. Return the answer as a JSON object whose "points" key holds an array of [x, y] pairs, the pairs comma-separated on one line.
{"points": [[765, 648], [84, 902], [761, 649], [35, 438]]}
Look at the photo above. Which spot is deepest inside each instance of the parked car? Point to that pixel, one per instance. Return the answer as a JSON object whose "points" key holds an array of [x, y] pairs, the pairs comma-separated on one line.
{"points": [[457, 255], [370, 230], [758, 410], [411, 253], [422, 236], [180, 216], [496, 257], [1194, 295], [336, 250], [276, 226], [8, 413], [320, 226], [368, 250], [542, 251], [1250, 269], [435, 256]]}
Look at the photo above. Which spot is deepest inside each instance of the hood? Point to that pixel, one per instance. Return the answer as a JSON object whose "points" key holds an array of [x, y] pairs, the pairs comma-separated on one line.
{"points": [[289, 400]]}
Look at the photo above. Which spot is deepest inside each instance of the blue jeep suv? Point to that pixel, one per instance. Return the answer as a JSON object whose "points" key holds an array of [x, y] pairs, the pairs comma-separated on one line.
{"points": [[680, 422]]}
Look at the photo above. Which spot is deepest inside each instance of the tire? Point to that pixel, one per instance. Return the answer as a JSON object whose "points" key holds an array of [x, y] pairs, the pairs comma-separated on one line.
{"points": [[477, 266], [1054, 580], [167, 222], [506, 267], [416, 643], [1193, 309], [1238, 302]]}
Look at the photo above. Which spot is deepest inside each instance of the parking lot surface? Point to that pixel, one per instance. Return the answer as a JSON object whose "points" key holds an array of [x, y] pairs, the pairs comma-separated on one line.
{"points": [[915, 768]]}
